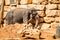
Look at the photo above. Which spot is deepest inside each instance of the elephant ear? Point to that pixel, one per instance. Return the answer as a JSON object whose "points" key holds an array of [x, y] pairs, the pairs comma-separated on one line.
{"points": [[31, 10]]}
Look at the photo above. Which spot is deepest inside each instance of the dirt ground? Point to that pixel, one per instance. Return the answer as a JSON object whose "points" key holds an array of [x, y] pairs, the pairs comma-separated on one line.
{"points": [[25, 32]]}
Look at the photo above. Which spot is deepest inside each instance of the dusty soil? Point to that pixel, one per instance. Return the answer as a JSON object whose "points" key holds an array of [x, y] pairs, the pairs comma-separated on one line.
{"points": [[25, 32]]}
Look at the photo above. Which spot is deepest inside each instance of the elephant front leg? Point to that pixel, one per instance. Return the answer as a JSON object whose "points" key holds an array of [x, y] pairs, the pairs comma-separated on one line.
{"points": [[25, 19], [36, 18]]}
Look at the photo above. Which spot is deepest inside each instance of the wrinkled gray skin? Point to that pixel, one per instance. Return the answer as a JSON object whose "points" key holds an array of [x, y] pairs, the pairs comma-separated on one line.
{"points": [[57, 35], [22, 15]]}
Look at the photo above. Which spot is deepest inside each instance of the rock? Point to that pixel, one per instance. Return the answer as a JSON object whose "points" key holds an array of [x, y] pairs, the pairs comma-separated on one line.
{"points": [[22, 6], [40, 7], [52, 13], [57, 19], [51, 6], [48, 19], [39, 1], [54, 1], [45, 26], [41, 13]]}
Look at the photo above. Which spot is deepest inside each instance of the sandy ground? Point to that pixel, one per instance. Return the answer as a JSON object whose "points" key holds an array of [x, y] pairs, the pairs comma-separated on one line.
{"points": [[23, 32]]}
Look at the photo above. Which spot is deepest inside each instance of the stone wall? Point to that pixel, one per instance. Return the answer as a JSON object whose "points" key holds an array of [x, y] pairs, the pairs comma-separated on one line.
{"points": [[49, 12]]}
